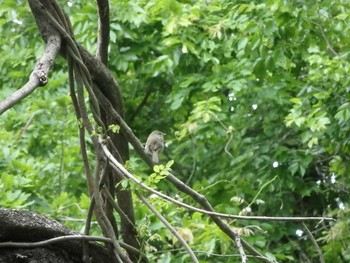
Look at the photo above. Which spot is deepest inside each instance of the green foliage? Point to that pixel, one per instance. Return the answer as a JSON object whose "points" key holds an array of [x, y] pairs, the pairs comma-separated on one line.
{"points": [[246, 91], [114, 128], [160, 172]]}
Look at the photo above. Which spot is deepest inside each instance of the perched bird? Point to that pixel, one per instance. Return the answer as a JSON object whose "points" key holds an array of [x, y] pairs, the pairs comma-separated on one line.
{"points": [[155, 145]]}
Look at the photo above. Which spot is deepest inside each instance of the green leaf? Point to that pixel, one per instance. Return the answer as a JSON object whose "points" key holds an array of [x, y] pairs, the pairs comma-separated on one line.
{"points": [[114, 128], [7, 180], [242, 43], [296, 101], [84, 201], [169, 164]]}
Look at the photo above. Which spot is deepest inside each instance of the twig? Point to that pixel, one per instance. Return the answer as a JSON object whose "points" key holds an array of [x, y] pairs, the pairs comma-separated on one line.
{"points": [[62, 155], [208, 254], [194, 163], [23, 130], [261, 188], [105, 224], [168, 226], [313, 240], [227, 144], [54, 240], [229, 130]]}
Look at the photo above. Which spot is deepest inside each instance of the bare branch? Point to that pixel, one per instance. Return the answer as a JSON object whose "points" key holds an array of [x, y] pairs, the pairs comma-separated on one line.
{"points": [[240, 249], [29, 121], [83, 150], [116, 207], [314, 242], [68, 238], [39, 76], [86, 257], [128, 175], [54, 240], [141, 105], [104, 222], [215, 216], [168, 226]]}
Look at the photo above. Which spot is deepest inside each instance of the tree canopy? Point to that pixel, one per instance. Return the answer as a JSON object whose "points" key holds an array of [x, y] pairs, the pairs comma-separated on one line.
{"points": [[253, 97]]}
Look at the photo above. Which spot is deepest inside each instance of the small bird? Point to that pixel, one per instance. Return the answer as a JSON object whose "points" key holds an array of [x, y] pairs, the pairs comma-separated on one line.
{"points": [[155, 145]]}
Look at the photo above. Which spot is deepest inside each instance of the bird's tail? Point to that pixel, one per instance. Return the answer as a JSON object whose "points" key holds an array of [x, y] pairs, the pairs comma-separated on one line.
{"points": [[155, 157]]}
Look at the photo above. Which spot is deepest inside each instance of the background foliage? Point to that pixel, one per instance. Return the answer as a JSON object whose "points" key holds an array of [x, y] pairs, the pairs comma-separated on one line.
{"points": [[253, 96]]}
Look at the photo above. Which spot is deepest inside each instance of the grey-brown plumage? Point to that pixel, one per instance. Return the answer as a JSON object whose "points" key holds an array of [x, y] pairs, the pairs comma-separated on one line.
{"points": [[155, 145]]}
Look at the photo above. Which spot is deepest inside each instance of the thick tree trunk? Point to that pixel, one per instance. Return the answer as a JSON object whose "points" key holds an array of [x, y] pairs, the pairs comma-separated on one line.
{"points": [[25, 226]]}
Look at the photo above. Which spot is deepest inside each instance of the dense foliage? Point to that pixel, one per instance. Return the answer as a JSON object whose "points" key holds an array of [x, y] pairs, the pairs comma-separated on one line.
{"points": [[253, 97]]}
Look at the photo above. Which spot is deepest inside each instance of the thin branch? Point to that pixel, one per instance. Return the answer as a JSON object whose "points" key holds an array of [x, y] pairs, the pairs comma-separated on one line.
{"points": [[23, 130], [329, 46], [39, 76], [128, 175], [105, 224], [194, 163], [313, 240], [54, 240], [62, 155], [168, 226], [83, 151], [103, 176], [240, 249], [208, 254], [69, 238], [116, 207], [86, 257], [62, 17], [229, 130], [261, 188], [227, 145], [141, 105], [106, 181]]}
